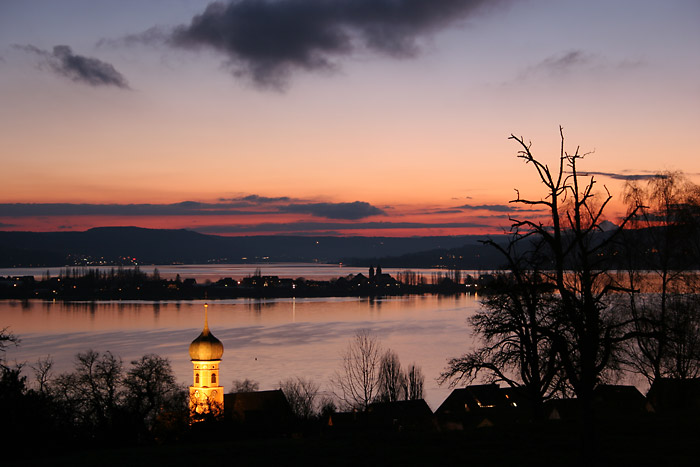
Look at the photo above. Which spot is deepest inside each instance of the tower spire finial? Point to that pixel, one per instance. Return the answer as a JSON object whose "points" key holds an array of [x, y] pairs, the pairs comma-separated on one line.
{"points": [[206, 317]]}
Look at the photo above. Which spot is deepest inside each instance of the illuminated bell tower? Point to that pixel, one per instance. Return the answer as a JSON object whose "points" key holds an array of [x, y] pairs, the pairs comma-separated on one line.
{"points": [[206, 395]]}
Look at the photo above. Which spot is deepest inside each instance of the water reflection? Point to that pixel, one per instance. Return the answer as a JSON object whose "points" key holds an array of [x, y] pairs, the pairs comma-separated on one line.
{"points": [[265, 340]]}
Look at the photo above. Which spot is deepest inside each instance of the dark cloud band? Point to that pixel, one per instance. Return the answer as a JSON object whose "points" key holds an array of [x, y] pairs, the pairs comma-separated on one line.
{"points": [[246, 206], [627, 177], [302, 227], [496, 208], [350, 211]]}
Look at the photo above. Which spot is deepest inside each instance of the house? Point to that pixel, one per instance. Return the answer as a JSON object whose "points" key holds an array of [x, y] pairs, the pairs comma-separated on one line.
{"points": [[610, 402], [358, 281], [674, 395], [618, 401], [562, 409], [346, 421], [410, 415], [476, 406], [261, 411]]}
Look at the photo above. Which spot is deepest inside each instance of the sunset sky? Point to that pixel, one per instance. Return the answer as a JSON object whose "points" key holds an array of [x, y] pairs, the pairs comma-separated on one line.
{"points": [[350, 117]]}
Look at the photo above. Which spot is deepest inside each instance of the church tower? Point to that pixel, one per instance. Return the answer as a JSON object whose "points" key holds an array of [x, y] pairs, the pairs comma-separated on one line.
{"points": [[206, 395]]}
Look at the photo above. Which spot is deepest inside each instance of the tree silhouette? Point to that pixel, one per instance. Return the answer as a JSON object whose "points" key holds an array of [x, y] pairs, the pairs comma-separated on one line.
{"points": [[6, 338], [150, 389], [587, 332], [511, 321], [414, 382], [246, 385], [357, 382], [576, 326], [392, 380], [42, 373], [93, 390], [661, 258], [301, 394]]}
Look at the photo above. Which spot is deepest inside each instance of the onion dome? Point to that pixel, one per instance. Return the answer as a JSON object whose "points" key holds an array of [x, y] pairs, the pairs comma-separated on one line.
{"points": [[206, 346]]}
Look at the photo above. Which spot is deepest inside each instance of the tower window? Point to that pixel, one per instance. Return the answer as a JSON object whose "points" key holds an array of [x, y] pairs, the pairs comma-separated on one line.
{"points": [[213, 378], [196, 378]]}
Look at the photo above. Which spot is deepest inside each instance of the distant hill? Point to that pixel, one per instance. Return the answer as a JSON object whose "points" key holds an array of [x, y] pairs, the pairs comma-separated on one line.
{"points": [[126, 245], [118, 245], [469, 256]]}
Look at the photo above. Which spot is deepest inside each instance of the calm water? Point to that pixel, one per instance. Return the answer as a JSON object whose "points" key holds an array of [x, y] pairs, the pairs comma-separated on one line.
{"points": [[264, 340]]}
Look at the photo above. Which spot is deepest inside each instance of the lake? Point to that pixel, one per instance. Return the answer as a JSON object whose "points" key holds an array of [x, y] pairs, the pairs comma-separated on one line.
{"points": [[264, 340]]}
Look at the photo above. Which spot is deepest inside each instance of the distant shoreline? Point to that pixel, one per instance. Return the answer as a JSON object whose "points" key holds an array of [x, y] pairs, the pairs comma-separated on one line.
{"points": [[113, 284]]}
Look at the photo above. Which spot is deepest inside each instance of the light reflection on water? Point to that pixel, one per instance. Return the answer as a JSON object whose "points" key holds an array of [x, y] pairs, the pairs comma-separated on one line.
{"points": [[264, 340]]}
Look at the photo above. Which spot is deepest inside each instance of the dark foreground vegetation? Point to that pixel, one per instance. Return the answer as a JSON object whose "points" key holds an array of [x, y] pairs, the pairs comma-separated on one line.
{"points": [[665, 442], [103, 414]]}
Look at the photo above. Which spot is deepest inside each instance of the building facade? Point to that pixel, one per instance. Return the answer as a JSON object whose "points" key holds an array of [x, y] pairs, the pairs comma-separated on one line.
{"points": [[206, 392]]}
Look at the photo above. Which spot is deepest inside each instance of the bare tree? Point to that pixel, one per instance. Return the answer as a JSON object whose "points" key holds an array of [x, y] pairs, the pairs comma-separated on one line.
{"points": [[6, 338], [515, 348], [357, 382], [92, 392], [392, 380], [42, 373], [661, 259], [301, 394], [246, 385], [414, 383], [585, 332]]}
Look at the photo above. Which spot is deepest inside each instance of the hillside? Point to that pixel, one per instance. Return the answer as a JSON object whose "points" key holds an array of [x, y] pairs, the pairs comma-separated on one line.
{"points": [[120, 245]]}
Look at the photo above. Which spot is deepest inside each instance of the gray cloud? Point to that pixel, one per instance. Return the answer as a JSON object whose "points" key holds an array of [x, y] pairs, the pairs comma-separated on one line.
{"points": [[269, 40], [336, 226], [565, 61], [348, 211], [447, 211], [78, 68], [155, 35]]}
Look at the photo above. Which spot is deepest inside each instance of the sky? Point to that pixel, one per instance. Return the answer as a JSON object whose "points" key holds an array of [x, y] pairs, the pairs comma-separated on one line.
{"points": [[340, 117]]}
